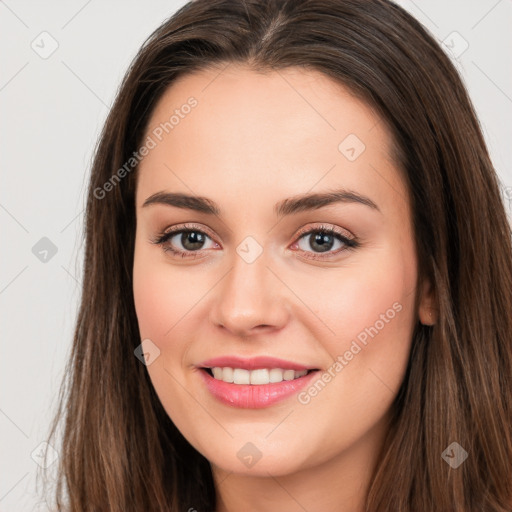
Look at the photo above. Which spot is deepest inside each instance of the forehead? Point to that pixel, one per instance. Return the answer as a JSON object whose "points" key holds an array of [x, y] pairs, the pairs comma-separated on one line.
{"points": [[280, 132]]}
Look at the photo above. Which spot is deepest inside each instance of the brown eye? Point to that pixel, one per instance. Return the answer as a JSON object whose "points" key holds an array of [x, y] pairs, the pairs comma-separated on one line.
{"points": [[319, 241], [184, 242], [191, 240], [324, 240]]}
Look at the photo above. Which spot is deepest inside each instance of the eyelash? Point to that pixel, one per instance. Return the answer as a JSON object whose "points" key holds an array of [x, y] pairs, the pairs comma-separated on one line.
{"points": [[162, 238]]}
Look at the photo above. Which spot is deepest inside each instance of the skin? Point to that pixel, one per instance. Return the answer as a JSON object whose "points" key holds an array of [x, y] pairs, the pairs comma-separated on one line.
{"points": [[253, 140]]}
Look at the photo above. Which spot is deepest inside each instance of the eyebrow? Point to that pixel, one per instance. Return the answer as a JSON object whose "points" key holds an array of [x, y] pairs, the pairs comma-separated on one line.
{"points": [[289, 206]]}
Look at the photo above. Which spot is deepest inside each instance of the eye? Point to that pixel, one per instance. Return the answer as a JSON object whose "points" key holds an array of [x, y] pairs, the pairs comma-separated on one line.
{"points": [[193, 241], [322, 239], [184, 240]]}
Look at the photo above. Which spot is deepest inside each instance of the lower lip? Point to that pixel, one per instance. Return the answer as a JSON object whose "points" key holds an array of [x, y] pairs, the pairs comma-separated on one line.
{"points": [[247, 396]]}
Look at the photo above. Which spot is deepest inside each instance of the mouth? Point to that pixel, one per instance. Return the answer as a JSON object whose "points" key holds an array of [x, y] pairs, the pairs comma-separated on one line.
{"points": [[254, 383], [258, 377]]}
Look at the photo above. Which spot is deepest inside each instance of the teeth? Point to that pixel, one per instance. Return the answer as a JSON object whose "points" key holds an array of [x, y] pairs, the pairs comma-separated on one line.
{"points": [[217, 373], [288, 374], [276, 375], [240, 376], [259, 377], [256, 377], [226, 375]]}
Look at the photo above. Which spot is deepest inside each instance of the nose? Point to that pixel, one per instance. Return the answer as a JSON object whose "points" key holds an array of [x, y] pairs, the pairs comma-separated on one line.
{"points": [[250, 299]]}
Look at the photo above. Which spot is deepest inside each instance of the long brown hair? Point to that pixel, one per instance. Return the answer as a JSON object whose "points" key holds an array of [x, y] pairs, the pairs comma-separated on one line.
{"points": [[121, 452]]}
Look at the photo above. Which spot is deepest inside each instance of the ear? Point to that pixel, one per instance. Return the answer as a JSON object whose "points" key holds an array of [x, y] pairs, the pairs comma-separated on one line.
{"points": [[428, 309]]}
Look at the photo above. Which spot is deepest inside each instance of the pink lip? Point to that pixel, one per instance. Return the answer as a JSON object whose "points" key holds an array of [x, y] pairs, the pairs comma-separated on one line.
{"points": [[247, 396], [254, 363]]}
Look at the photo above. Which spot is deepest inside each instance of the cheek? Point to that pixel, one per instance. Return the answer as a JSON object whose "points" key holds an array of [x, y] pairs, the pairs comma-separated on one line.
{"points": [[161, 308], [373, 290], [166, 300], [160, 294], [369, 309], [377, 302], [154, 300]]}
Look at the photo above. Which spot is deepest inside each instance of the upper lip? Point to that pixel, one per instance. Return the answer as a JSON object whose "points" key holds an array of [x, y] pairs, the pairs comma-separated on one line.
{"points": [[253, 363]]}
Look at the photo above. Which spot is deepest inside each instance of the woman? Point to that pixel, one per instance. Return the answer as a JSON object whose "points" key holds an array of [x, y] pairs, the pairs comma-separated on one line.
{"points": [[298, 275]]}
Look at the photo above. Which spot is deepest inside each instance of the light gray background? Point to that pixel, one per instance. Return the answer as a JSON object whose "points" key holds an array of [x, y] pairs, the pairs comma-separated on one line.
{"points": [[52, 111]]}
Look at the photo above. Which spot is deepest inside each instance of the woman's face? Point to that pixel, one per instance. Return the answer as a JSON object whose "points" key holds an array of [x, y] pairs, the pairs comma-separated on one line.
{"points": [[259, 284]]}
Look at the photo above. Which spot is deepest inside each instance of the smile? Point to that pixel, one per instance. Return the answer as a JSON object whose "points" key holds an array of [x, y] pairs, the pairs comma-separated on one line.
{"points": [[255, 377], [253, 383]]}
